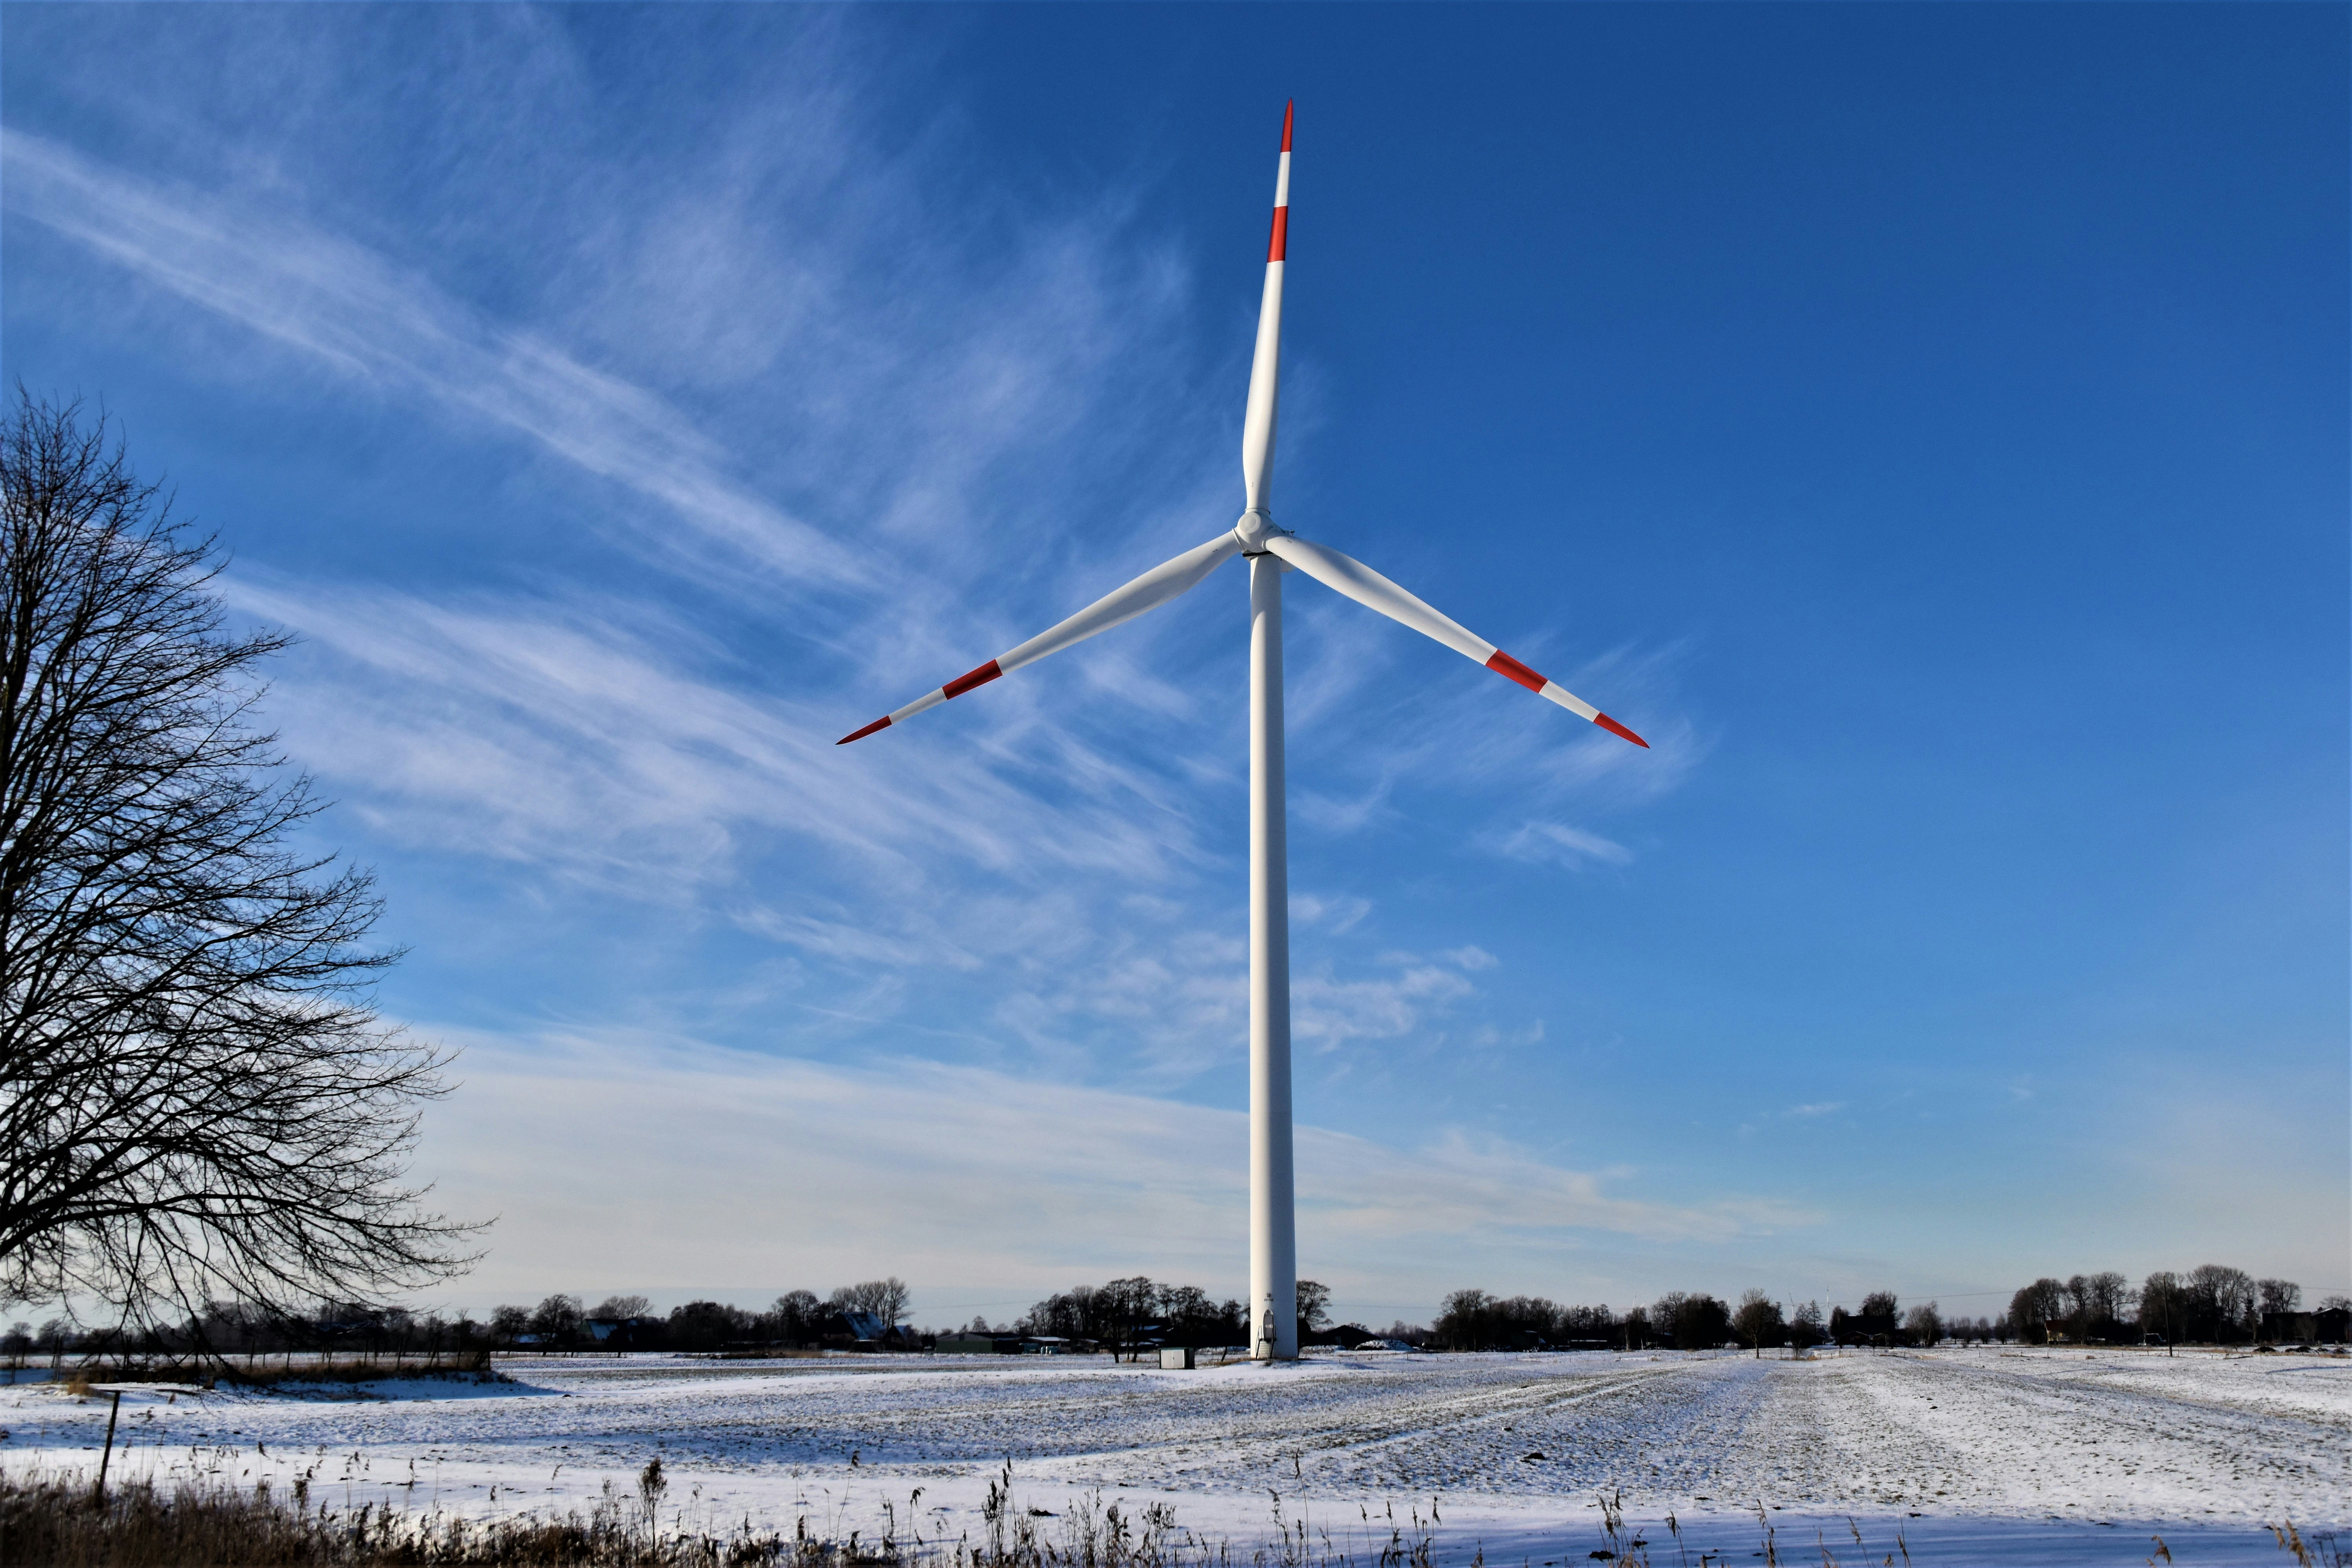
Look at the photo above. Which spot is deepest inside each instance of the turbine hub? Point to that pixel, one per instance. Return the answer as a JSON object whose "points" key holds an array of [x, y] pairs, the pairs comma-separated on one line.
{"points": [[1254, 528]]}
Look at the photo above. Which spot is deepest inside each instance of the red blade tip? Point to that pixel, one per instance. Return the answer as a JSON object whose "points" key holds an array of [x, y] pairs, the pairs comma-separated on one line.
{"points": [[1286, 110], [1511, 668], [1614, 728], [881, 723], [981, 677]]}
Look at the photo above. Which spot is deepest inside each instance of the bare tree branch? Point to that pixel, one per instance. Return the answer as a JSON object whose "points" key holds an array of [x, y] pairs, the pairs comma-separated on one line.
{"points": [[196, 1098]]}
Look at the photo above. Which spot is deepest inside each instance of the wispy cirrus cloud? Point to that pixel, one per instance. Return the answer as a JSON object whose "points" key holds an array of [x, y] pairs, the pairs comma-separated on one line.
{"points": [[353, 310], [1562, 845], [1336, 916], [1174, 1003], [574, 734]]}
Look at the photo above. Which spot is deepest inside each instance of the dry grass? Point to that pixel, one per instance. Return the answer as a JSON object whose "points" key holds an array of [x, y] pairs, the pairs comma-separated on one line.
{"points": [[59, 1524], [2321, 1549], [48, 1522], [52, 1523]]}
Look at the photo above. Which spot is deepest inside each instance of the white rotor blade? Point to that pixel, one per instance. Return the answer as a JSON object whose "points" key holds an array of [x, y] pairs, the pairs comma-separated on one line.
{"points": [[1358, 582], [1149, 591], [1266, 367]]}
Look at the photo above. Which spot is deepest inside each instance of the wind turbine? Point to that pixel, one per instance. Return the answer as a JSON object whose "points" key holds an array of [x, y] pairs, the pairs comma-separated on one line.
{"points": [[1270, 551]]}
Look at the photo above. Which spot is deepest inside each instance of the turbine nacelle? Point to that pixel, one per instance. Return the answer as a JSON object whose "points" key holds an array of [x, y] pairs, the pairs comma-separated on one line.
{"points": [[1253, 530]]}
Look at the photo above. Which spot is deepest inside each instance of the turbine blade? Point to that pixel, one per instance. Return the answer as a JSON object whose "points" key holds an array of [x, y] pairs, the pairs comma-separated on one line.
{"points": [[1149, 591], [1266, 367], [1358, 582]]}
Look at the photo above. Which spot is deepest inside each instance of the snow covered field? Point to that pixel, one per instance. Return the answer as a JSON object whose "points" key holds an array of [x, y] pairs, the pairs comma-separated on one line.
{"points": [[1982, 1455]]}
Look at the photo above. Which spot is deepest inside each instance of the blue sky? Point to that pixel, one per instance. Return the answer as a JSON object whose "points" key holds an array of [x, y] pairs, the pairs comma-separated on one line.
{"points": [[1926, 425]]}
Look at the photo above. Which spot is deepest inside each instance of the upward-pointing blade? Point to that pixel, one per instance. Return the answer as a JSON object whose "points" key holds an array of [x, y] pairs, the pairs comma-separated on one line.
{"points": [[1266, 367], [1149, 591], [1358, 582]]}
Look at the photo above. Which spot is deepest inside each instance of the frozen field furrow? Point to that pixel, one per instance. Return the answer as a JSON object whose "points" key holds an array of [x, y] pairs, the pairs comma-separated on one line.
{"points": [[2029, 1457]]}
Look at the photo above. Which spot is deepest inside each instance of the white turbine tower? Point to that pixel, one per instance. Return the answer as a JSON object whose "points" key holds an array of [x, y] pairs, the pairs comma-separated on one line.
{"points": [[1270, 551]]}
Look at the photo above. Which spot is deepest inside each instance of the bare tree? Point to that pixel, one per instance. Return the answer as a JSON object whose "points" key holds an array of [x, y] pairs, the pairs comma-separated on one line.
{"points": [[559, 1317], [1466, 1321], [2035, 1307], [1125, 1306], [1314, 1305], [1695, 1319], [1185, 1309], [2224, 1297], [795, 1315], [1807, 1325], [707, 1325], [1758, 1321], [196, 1101], [1923, 1323], [886, 1298], [2163, 1307], [620, 1308], [2107, 1296]]}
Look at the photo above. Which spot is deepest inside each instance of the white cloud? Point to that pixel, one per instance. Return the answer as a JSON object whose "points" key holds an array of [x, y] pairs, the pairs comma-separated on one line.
{"points": [[358, 312], [1335, 916], [574, 735], [1168, 1006], [1327, 1013], [1450, 730], [656, 1160], [1340, 816], [1562, 845]]}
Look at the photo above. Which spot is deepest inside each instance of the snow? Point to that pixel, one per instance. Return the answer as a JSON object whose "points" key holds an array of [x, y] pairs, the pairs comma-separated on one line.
{"points": [[1979, 1455]]}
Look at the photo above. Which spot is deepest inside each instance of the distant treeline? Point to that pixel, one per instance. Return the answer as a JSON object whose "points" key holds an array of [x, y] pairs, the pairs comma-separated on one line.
{"points": [[1124, 1314], [1127, 1311], [872, 1312], [2211, 1304], [2207, 1305], [1679, 1320], [1692, 1320]]}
